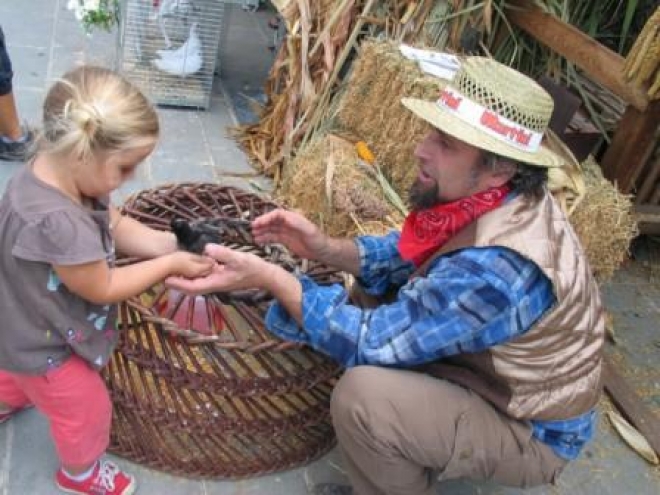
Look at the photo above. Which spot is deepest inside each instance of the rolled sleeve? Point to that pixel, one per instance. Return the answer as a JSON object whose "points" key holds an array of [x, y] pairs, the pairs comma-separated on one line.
{"points": [[381, 266]]}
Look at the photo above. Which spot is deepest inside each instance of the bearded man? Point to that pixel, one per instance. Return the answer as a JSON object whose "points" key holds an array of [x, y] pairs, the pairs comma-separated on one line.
{"points": [[484, 359]]}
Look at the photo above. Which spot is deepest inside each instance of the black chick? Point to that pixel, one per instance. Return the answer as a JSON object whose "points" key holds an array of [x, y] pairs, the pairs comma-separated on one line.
{"points": [[193, 237]]}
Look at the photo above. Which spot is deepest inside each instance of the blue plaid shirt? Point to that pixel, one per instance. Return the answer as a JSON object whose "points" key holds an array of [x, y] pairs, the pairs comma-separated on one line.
{"points": [[469, 301]]}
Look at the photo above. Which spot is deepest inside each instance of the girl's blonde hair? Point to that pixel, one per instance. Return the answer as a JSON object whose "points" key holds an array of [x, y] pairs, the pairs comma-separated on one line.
{"points": [[92, 109]]}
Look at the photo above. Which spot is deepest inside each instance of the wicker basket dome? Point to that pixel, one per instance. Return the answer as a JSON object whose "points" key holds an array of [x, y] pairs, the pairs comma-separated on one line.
{"points": [[199, 386]]}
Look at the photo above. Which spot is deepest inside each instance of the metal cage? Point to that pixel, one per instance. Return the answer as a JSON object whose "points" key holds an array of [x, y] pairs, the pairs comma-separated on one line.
{"points": [[169, 48]]}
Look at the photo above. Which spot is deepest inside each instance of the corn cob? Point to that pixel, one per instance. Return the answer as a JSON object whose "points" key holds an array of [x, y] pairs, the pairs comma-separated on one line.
{"points": [[651, 58], [644, 56], [654, 90], [645, 39]]}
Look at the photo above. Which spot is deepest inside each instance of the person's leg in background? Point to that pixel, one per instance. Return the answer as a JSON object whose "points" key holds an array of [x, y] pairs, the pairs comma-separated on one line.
{"points": [[15, 141], [250, 5], [398, 430]]}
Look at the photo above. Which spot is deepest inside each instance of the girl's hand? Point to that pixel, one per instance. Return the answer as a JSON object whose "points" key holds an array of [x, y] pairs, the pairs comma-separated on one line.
{"points": [[190, 265], [234, 271]]}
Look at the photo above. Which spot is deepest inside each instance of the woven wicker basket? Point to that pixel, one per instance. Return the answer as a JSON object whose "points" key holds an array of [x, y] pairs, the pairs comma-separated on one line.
{"points": [[199, 387]]}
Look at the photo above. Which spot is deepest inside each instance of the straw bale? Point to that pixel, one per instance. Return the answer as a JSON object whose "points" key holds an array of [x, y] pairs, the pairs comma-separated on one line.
{"points": [[371, 108], [604, 222], [330, 186]]}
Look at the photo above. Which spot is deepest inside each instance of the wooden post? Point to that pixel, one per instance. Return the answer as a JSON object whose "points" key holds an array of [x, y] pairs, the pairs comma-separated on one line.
{"points": [[634, 138], [599, 62], [631, 146]]}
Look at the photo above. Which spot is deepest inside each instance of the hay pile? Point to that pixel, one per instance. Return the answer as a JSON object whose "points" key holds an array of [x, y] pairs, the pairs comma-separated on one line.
{"points": [[332, 187], [371, 108], [604, 222]]}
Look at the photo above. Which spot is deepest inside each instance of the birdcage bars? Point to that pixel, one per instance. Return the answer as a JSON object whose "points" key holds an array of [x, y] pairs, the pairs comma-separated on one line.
{"points": [[169, 48]]}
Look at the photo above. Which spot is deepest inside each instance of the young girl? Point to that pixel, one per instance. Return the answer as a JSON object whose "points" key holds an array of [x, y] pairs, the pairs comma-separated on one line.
{"points": [[58, 283]]}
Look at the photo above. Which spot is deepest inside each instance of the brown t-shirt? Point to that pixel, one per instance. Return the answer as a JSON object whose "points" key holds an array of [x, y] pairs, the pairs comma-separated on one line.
{"points": [[41, 322]]}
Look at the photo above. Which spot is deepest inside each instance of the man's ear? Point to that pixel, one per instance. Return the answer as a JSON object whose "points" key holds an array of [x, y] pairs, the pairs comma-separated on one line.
{"points": [[502, 172]]}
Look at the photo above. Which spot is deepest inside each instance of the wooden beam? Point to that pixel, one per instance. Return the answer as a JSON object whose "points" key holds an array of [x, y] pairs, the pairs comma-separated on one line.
{"points": [[647, 213], [603, 65], [648, 218], [630, 405], [650, 183], [631, 146]]}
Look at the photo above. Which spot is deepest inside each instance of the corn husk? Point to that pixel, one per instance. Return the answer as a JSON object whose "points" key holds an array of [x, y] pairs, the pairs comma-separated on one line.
{"points": [[566, 183], [633, 437]]}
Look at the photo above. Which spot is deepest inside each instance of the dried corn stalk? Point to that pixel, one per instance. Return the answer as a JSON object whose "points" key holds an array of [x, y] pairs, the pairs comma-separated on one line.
{"points": [[304, 76], [296, 78]]}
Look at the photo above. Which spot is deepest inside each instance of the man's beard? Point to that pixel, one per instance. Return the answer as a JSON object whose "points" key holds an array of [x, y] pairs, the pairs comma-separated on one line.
{"points": [[421, 198]]}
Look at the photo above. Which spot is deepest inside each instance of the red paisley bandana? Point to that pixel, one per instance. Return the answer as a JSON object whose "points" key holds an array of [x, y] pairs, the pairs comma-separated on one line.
{"points": [[425, 231]]}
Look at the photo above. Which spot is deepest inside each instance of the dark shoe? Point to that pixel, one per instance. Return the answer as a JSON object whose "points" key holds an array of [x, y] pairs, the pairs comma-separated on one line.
{"points": [[331, 489], [16, 151]]}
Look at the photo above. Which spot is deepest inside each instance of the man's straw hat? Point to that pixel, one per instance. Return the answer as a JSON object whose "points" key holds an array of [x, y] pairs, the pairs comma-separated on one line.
{"points": [[495, 108]]}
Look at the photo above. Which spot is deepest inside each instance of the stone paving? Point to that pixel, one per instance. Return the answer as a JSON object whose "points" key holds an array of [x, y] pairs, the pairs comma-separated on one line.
{"points": [[45, 40]]}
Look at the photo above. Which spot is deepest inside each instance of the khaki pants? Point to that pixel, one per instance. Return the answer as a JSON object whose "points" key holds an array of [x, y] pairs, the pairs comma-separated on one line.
{"points": [[400, 430]]}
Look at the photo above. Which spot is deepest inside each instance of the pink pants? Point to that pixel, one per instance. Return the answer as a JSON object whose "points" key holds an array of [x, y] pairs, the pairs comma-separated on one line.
{"points": [[75, 400]]}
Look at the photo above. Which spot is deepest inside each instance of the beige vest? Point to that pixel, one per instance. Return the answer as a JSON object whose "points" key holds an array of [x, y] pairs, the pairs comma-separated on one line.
{"points": [[553, 371]]}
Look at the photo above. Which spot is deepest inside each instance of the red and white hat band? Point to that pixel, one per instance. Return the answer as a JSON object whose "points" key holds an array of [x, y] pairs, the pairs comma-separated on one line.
{"points": [[489, 122]]}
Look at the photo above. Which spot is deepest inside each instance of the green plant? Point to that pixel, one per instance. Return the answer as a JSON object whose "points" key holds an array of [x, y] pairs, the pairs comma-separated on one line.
{"points": [[102, 14]]}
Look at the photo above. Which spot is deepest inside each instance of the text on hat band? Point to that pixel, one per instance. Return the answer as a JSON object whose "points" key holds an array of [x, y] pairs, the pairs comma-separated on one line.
{"points": [[489, 121]]}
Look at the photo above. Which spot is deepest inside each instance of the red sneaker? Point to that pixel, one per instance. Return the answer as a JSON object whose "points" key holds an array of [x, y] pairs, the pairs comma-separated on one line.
{"points": [[106, 479], [8, 415]]}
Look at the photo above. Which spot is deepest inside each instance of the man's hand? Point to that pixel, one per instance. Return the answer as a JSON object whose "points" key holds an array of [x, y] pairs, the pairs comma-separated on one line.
{"points": [[293, 230], [234, 271], [306, 240], [237, 271]]}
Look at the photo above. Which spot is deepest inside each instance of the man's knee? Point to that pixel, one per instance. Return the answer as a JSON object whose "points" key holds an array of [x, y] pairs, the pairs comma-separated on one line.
{"points": [[358, 390]]}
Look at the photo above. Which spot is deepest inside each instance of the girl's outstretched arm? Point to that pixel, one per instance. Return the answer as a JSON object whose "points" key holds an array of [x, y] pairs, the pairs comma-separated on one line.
{"points": [[98, 283], [133, 238]]}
